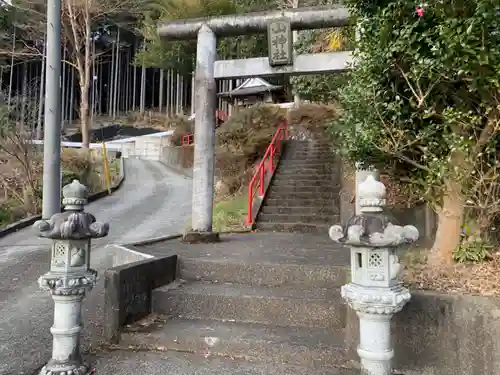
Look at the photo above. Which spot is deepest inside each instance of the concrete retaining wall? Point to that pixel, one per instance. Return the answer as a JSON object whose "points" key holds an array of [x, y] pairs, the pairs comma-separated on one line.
{"points": [[179, 158], [150, 147], [438, 334]]}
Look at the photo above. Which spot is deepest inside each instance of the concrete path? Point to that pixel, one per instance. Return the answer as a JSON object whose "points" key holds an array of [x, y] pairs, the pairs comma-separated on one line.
{"points": [[153, 201]]}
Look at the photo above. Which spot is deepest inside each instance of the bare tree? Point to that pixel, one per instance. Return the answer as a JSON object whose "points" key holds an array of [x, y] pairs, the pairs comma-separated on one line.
{"points": [[78, 19], [15, 145]]}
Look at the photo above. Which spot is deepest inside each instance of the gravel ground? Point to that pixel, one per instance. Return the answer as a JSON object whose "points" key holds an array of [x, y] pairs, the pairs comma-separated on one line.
{"points": [[172, 363], [153, 201]]}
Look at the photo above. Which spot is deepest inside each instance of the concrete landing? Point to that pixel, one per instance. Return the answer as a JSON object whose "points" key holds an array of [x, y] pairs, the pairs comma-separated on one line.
{"points": [[272, 247], [171, 363]]}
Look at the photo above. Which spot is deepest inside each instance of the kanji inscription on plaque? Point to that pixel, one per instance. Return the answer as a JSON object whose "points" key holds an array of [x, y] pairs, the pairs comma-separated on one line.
{"points": [[279, 36]]}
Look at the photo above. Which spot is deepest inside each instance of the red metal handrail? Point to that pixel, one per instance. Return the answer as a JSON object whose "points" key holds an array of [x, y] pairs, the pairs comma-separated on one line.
{"points": [[187, 139], [267, 164]]}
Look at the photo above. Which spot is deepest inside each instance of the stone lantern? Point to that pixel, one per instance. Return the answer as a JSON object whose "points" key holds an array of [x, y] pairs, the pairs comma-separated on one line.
{"points": [[70, 276], [375, 292]]}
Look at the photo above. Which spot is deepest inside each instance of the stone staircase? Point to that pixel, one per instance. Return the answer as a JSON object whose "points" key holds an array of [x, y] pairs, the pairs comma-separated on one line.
{"points": [[304, 193], [272, 299]]}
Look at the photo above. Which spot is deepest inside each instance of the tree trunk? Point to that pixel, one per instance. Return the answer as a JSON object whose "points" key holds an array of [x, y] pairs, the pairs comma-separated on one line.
{"points": [[24, 94], [161, 89], [72, 96], [450, 220], [84, 114], [42, 92], [11, 78], [63, 90]]}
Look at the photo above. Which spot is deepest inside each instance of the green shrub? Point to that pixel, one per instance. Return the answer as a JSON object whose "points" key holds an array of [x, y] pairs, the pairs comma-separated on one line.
{"points": [[475, 251], [5, 215], [69, 176]]}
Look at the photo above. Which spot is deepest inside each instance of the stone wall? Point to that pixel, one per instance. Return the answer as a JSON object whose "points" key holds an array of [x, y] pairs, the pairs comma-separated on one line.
{"points": [[438, 334]]}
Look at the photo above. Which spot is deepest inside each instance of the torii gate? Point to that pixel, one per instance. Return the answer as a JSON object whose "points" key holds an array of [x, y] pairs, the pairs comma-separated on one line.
{"points": [[279, 25]]}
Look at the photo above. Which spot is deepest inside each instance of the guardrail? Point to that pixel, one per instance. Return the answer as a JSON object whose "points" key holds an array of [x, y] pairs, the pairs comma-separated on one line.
{"points": [[110, 146], [265, 170], [114, 145]]}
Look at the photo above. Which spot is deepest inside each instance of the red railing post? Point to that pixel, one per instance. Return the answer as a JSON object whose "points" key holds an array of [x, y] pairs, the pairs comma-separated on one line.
{"points": [[271, 158], [262, 174], [250, 202]]}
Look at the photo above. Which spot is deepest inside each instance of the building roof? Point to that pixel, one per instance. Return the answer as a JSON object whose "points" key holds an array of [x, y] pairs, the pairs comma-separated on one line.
{"points": [[251, 86]]}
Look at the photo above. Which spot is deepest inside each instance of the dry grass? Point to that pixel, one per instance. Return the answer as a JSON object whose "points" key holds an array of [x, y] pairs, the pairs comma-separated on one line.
{"points": [[311, 120], [151, 119], [473, 279], [76, 164], [229, 213]]}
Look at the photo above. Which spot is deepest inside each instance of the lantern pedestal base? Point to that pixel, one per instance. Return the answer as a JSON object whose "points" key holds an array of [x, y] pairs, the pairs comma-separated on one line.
{"points": [[375, 349], [66, 357], [375, 307], [376, 300]]}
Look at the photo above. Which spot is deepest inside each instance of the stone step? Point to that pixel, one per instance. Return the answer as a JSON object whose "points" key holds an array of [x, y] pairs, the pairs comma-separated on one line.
{"points": [[294, 227], [311, 347], [306, 149], [310, 148], [321, 195], [305, 270], [298, 218], [286, 201], [279, 183], [304, 177], [323, 153], [301, 210], [316, 157], [307, 172], [296, 180], [324, 170], [307, 141], [290, 163], [283, 305], [287, 188], [156, 362]]}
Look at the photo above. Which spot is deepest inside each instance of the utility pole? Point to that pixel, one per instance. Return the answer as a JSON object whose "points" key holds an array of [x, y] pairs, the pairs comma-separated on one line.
{"points": [[52, 119]]}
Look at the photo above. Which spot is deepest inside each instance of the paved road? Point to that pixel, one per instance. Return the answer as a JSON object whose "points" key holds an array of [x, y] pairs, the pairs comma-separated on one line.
{"points": [[153, 201]]}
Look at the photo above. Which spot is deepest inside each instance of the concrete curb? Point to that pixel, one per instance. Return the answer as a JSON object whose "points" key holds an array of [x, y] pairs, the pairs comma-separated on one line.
{"points": [[128, 291], [151, 241], [26, 222]]}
